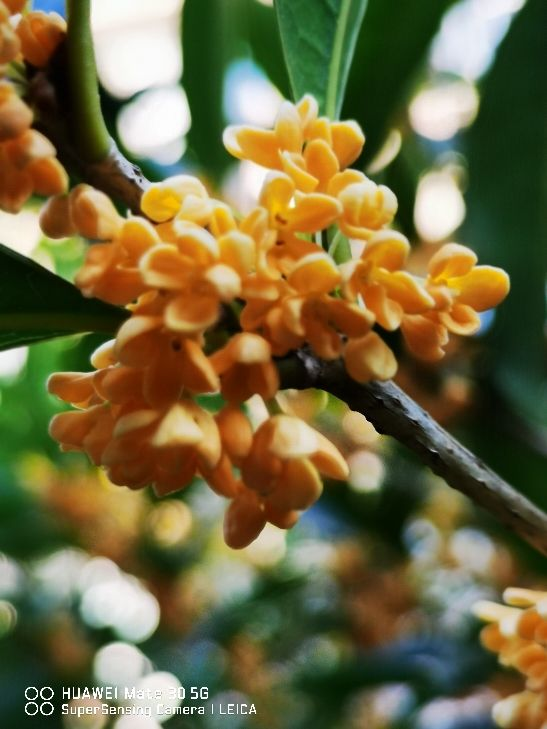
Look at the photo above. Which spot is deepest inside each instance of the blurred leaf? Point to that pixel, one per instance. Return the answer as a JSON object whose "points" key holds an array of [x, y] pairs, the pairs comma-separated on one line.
{"points": [[393, 42], [263, 35], [26, 405], [507, 223], [211, 39], [319, 45], [35, 304]]}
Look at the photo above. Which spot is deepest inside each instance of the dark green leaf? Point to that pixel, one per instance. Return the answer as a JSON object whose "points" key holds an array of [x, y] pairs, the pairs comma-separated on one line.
{"points": [[318, 44], [507, 223], [211, 39], [35, 304], [263, 35], [393, 42]]}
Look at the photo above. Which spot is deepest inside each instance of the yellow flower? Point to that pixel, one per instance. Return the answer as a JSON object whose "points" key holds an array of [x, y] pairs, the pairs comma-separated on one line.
{"points": [[245, 368], [369, 358], [15, 116], [291, 210], [189, 269], [24, 175], [310, 150], [387, 291], [171, 363], [182, 196], [517, 632], [366, 206], [244, 519], [164, 446], [15, 6], [111, 270], [40, 34], [285, 460], [9, 42], [459, 289]]}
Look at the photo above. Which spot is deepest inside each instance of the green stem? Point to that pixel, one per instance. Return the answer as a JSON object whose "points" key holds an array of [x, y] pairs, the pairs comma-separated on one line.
{"points": [[340, 248], [89, 133]]}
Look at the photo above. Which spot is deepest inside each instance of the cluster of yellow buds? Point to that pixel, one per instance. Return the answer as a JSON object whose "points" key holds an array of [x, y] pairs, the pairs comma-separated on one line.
{"points": [[517, 632], [188, 264], [28, 164]]}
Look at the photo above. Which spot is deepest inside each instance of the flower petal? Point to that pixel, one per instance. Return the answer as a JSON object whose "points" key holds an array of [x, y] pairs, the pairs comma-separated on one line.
{"points": [[482, 288], [404, 288], [258, 145], [299, 487], [387, 249], [314, 273], [425, 337], [311, 213], [163, 200], [177, 428], [347, 141], [369, 358], [191, 314], [451, 260], [321, 161], [243, 521]]}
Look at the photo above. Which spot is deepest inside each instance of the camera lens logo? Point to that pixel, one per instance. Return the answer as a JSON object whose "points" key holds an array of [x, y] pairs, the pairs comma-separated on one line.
{"points": [[39, 701]]}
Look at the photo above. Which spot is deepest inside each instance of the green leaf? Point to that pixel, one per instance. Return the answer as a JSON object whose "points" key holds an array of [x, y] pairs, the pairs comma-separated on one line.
{"points": [[211, 39], [318, 44], [392, 45], [507, 221], [340, 248], [263, 35], [35, 304]]}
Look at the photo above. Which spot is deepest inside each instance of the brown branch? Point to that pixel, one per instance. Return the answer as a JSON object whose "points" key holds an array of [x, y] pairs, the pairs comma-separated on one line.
{"points": [[394, 413]]}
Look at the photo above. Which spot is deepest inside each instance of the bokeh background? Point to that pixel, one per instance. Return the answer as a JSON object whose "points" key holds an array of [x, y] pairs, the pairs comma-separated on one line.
{"points": [[359, 618]]}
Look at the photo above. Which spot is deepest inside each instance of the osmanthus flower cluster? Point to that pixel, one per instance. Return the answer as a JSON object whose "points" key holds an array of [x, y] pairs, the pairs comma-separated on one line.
{"points": [[517, 632], [27, 158], [189, 264]]}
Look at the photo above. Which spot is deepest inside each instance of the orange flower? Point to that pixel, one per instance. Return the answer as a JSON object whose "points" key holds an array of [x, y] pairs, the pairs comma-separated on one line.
{"points": [[369, 358], [183, 197], [197, 282], [245, 368], [387, 291], [459, 289], [280, 478], [40, 34], [15, 116], [9, 42], [366, 206], [310, 150], [138, 444], [517, 634], [171, 363], [285, 460], [292, 210], [111, 270]]}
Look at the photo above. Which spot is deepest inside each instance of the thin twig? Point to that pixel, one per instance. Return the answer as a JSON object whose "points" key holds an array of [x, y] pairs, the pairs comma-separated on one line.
{"points": [[394, 413]]}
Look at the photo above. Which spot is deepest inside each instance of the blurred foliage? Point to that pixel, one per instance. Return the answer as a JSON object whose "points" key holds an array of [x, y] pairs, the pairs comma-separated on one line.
{"points": [[507, 151], [390, 53], [359, 617]]}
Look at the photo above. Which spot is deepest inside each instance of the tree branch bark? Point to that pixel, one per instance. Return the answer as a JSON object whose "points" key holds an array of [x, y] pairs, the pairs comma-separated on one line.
{"points": [[394, 413]]}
